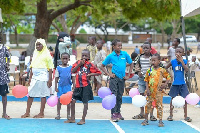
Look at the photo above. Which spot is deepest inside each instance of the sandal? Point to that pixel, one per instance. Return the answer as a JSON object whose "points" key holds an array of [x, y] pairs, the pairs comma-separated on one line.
{"points": [[170, 118], [153, 118], [144, 123], [140, 116], [188, 119], [57, 117], [160, 124], [7, 117]]}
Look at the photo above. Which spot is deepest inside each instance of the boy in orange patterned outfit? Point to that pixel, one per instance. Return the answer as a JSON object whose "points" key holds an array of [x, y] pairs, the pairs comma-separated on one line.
{"points": [[154, 87]]}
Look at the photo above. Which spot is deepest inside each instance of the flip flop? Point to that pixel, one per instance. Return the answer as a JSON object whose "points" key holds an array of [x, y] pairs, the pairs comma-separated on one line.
{"points": [[144, 123], [170, 118], [7, 117], [160, 124], [153, 118], [139, 116], [57, 117], [24, 116], [188, 119]]}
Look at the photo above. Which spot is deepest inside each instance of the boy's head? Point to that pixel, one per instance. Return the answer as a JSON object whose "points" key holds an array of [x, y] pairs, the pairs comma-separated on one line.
{"points": [[179, 51], [99, 44], [136, 46], [91, 39], [149, 40], [133, 56], [85, 54], [146, 48], [155, 60], [65, 57], [116, 45], [50, 48], [176, 42]]}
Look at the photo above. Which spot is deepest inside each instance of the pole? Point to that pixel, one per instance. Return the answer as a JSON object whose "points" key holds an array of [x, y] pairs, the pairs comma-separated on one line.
{"points": [[1, 22], [185, 45]]}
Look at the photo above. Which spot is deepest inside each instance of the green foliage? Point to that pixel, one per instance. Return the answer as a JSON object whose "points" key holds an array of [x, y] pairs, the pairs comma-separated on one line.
{"points": [[52, 39], [9, 6], [82, 31]]}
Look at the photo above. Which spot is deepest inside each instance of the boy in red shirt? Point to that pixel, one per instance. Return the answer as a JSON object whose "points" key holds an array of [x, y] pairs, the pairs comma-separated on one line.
{"points": [[83, 91]]}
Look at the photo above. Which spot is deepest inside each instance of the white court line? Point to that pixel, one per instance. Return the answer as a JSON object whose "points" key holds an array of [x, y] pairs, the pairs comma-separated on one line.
{"points": [[119, 129], [192, 126]]}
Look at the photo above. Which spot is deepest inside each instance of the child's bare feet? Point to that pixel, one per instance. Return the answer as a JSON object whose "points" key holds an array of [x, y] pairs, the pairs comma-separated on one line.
{"points": [[25, 115], [70, 121], [7, 117], [57, 117], [81, 122], [39, 116]]}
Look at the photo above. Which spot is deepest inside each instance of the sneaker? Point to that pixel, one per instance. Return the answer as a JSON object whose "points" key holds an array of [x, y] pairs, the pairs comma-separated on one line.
{"points": [[114, 117], [120, 116]]}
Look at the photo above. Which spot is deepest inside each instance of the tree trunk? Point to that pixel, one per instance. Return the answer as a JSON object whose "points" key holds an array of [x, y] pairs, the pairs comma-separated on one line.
{"points": [[61, 19], [16, 36], [163, 34], [42, 25], [176, 26]]}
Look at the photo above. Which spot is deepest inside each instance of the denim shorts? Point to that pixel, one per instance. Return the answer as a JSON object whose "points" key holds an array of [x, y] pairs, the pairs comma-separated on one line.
{"points": [[141, 85], [176, 90]]}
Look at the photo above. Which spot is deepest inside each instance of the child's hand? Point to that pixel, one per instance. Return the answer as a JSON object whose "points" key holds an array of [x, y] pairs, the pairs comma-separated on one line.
{"points": [[29, 81], [112, 75], [82, 62], [140, 75], [62, 40], [148, 92], [179, 58], [163, 86], [56, 89], [49, 83]]}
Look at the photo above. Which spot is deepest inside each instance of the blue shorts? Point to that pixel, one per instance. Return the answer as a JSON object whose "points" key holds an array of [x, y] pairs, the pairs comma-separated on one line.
{"points": [[63, 90], [176, 90]]}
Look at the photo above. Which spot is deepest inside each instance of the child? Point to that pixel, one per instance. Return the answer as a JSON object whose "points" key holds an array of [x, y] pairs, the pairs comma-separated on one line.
{"points": [[137, 50], [63, 74], [144, 63], [134, 75], [179, 65], [23, 78], [83, 91], [92, 47], [40, 77], [64, 45], [171, 51], [118, 59], [4, 80], [75, 44], [108, 43], [99, 58], [154, 86]]}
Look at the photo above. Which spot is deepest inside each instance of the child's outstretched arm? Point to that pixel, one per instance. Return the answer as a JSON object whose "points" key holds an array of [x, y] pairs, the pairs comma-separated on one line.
{"points": [[94, 71], [102, 67], [168, 65]]}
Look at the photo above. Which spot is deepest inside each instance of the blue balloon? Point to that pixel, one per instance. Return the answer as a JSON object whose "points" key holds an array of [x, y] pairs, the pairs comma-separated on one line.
{"points": [[109, 102], [103, 92]]}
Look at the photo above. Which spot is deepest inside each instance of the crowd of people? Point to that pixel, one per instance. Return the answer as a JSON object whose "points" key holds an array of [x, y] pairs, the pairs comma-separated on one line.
{"points": [[145, 66]]}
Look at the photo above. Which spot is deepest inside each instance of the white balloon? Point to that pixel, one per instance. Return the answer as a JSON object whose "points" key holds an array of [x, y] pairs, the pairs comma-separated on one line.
{"points": [[178, 101], [139, 101]]}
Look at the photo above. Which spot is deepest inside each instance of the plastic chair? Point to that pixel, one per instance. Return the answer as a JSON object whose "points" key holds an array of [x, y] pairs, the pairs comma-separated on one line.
{"points": [[27, 60], [15, 53], [12, 71], [15, 60], [72, 60]]}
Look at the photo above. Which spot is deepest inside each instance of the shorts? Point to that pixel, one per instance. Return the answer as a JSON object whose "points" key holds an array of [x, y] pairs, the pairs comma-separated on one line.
{"points": [[141, 85], [176, 90], [63, 90], [83, 94], [4, 90]]}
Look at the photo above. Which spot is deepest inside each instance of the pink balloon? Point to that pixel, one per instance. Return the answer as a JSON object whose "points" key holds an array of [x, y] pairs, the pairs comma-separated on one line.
{"points": [[133, 92], [192, 98], [52, 101]]}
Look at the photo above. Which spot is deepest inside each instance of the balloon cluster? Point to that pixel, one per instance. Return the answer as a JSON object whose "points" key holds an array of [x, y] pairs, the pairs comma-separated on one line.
{"points": [[191, 99], [137, 99], [109, 99]]}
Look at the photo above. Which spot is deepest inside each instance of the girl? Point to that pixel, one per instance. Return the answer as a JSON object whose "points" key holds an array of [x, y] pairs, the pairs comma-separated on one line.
{"points": [[40, 77], [4, 80], [92, 47], [75, 44], [63, 74]]}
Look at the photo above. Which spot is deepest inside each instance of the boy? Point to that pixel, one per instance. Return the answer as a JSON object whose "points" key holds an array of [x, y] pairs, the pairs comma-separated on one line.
{"points": [[118, 59], [144, 62], [154, 86], [75, 44], [171, 51], [99, 58], [179, 65], [137, 50], [83, 91], [92, 47], [64, 79]]}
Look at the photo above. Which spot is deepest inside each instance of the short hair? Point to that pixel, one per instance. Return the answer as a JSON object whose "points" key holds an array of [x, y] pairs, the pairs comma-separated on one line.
{"points": [[157, 55], [93, 38], [115, 41], [147, 43], [134, 55], [101, 41], [86, 50], [181, 48], [65, 54], [178, 40]]}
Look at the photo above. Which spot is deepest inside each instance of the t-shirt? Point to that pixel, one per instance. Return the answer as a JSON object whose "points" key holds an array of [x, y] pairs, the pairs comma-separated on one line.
{"points": [[153, 50], [82, 72], [137, 50], [179, 77], [118, 62], [171, 53]]}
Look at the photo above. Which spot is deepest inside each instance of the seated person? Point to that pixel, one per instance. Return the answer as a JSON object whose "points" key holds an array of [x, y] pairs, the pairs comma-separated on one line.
{"points": [[25, 76]]}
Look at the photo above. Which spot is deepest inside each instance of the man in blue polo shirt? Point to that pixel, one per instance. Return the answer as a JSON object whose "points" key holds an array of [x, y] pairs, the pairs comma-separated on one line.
{"points": [[118, 59]]}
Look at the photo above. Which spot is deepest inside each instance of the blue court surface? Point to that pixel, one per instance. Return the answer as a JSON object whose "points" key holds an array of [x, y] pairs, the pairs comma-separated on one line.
{"points": [[91, 126]]}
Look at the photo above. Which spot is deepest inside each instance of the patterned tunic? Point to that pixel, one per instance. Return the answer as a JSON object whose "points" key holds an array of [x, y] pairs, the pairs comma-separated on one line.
{"points": [[93, 51], [4, 79]]}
